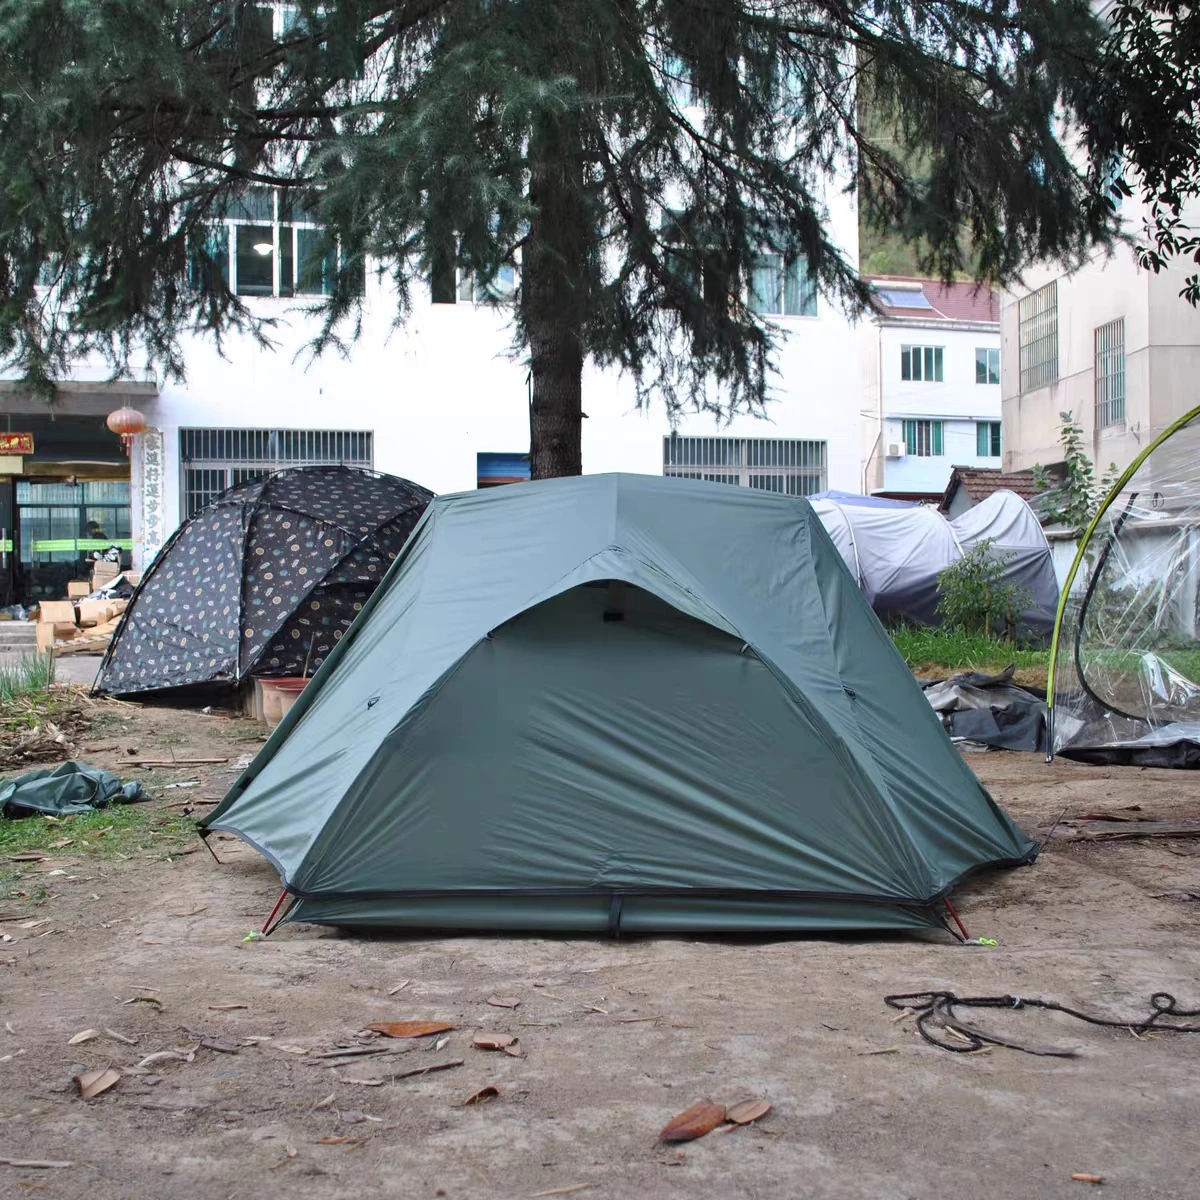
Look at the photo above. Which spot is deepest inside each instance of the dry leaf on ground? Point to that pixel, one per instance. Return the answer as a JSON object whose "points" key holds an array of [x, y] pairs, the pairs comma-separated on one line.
{"points": [[488, 1092], [363, 1082], [399, 987], [703, 1117], [120, 1037], [33, 1164], [84, 1035], [326, 1103], [1086, 1177], [340, 1141], [504, 1001], [225, 1007], [92, 1083], [565, 1191], [144, 1000], [290, 1049], [410, 1029], [746, 1111], [493, 1041]]}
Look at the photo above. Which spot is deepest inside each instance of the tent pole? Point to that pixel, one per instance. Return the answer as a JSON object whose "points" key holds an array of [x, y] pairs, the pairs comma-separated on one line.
{"points": [[278, 904], [950, 910]]}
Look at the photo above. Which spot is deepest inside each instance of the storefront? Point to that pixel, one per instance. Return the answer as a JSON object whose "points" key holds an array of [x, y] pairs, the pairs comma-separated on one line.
{"points": [[64, 492]]}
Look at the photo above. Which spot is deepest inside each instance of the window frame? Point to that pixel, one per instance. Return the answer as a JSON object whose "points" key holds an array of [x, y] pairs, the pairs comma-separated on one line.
{"points": [[795, 275], [283, 223], [1108, 342], [791, 466], [989, 435], [924, 437], [229, 456], [1037, 337], [991, 354], [916, 361]]}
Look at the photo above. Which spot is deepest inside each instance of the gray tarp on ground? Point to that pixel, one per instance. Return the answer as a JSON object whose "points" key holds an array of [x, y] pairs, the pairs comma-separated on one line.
{"points": [[617, 700], [897, 550], [71, 787]]}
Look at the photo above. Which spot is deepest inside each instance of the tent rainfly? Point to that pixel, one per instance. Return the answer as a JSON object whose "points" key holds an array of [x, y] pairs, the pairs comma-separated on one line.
{"points": [[896, 550], [1125, 661], [617, 702], [264, 580]]}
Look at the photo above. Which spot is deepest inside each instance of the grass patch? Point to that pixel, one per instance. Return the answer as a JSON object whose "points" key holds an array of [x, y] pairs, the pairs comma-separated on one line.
{"points": [[954, 650], [123, 829], [32, 675]]}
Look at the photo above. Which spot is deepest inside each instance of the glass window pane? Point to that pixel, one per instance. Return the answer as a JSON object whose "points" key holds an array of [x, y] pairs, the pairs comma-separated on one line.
{"points": [[255, 260], [937, 437], [256, 203], [981, 366], [766, 284], [800, 295], [316, 262], [466, 287], [208, 259], [905, 362], [995, 439]]}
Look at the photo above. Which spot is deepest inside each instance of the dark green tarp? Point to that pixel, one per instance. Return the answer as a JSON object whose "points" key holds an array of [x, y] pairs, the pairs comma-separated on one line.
{"points": [[71, 787], [618, 702]]}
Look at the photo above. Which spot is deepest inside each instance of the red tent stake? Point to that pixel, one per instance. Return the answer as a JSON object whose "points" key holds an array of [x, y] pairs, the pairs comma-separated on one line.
{"points": [[950, 910]]}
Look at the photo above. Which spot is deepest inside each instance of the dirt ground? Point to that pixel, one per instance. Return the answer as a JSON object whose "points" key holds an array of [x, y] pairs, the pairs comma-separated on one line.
{"points": [[617, 1036]]}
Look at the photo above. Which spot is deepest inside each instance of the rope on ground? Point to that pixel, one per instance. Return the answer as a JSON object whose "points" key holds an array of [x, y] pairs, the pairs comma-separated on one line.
{"points": [[935, 1012]]}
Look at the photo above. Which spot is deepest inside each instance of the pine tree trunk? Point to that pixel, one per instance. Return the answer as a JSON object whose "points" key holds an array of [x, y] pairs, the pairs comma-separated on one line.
{"points": [[553, 296]]}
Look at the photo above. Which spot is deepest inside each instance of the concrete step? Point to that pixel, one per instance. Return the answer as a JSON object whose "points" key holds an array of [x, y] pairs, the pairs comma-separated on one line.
{"points": [[22, 635]]}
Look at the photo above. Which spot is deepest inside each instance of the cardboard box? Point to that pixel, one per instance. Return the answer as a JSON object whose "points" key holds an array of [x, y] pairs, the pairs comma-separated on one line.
{"points": [[77, 589], [45, 636], [94, 612], [134, 577], [56, 612]]}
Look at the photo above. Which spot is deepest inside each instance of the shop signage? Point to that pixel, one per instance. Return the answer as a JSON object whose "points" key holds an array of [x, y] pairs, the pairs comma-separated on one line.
{"points": [[16, 443]]}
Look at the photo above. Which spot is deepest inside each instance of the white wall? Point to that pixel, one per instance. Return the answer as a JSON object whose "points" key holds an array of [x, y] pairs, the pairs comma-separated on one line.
{"points": [[958, 401], [1162, 354]]}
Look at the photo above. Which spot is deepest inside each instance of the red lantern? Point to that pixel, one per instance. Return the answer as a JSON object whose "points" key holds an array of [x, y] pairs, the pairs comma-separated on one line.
{"points": [[126, 422]]}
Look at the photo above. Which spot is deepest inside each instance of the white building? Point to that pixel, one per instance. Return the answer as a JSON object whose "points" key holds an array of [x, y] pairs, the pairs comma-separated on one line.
{"points": [[1114, 345], [442, 401], [931, 383]]}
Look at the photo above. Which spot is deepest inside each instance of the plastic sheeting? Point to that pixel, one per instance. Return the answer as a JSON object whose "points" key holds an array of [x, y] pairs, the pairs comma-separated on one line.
{"points": [[896, 552], [617, 702], [1126, 685]]}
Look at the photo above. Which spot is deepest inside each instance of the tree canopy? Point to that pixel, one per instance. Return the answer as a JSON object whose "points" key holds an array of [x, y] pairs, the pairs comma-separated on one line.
{"points": [[634, 159], [1141, 126]]}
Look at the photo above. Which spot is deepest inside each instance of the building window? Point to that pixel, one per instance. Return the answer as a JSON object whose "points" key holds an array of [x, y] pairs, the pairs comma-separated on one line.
{"points": [[923, 438], [266, 246], [987, 439], [793, 467], [1110, 374], [212, 460], [987, 365], [473, 289], [921, 363], [1037, 337], [782, 291]]}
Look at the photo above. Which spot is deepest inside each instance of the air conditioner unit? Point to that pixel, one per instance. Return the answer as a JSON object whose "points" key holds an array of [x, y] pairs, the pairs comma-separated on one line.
{"points": [[895, 449]]}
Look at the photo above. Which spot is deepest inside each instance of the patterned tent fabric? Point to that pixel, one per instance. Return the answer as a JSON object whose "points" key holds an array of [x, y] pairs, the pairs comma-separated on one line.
{"points": [[262, 581]]}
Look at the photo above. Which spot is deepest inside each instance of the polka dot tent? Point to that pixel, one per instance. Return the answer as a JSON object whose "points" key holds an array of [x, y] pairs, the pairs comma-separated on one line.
{"points": [[266, 578]]}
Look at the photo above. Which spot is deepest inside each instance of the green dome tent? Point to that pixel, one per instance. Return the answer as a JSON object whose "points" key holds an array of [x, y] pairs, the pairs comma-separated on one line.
{"points": [[617, 703], [1125, 660]]}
